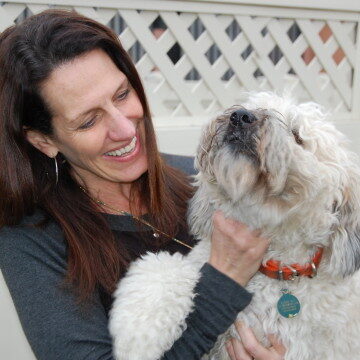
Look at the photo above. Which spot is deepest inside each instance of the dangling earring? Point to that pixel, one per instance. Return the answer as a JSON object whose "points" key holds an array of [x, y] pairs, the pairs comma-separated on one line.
{"points": [[56, 171]]}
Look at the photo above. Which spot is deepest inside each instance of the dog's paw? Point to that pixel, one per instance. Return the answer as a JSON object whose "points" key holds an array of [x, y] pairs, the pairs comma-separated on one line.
{"points": [[151, 304]]}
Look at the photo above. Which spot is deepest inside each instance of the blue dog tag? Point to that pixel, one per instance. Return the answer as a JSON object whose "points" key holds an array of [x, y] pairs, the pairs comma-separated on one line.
{"points": [[288, 305]]}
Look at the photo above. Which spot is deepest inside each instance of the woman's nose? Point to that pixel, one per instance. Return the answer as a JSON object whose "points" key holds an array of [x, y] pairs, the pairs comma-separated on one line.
{"points": [[120, 126]]}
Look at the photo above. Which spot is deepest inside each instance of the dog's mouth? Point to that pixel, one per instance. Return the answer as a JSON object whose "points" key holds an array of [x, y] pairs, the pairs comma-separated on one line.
{"points": [[241, 132]]}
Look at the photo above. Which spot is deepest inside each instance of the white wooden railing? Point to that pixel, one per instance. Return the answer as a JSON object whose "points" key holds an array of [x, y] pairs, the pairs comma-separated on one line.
{"points": [[310, 48], [223, 48]]}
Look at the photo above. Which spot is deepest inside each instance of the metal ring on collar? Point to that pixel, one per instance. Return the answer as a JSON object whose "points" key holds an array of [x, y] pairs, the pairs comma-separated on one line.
{"points": [[314, 270], [294, 273]]}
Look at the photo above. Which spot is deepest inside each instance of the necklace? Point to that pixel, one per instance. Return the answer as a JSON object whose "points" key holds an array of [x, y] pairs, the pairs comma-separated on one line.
{"points": [[156, 232]]}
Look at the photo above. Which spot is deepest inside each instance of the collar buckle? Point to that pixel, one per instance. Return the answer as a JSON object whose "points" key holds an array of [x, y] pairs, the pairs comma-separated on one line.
{"points": [[314, 270], [280, 274], [294, 274]]}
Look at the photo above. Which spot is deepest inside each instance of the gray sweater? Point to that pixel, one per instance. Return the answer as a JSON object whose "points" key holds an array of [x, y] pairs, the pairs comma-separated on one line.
{"points": [[34, 263]]}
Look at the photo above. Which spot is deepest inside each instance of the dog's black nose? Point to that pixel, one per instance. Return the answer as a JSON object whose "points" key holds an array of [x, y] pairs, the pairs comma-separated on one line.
{"points": [[241, 116]]}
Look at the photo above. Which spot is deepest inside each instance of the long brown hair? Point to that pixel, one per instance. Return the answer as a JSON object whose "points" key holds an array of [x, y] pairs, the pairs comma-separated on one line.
{"points": [[29, 52]]}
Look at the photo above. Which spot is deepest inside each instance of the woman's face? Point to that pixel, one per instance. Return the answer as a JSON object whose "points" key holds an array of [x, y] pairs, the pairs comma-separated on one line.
{"points": [[97, 120]]}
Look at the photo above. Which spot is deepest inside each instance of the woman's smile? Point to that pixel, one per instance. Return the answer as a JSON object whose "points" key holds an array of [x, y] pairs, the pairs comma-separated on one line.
{"points": [[125, 153]]}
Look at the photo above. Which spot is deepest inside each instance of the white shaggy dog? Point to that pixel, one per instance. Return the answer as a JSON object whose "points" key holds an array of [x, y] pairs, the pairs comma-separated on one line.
{"points": [[284, 169]]}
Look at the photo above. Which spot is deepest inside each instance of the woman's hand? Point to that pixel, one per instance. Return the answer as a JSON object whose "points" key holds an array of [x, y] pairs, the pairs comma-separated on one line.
{"points": [[249, 347], [236, 250]]}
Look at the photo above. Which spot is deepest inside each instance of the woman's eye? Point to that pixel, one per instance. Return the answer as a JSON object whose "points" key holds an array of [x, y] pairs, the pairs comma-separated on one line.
{"points": [[88, 124], [123, 95]]}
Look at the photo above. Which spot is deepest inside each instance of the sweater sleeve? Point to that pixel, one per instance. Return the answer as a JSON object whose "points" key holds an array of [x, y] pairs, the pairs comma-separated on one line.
{"points": [[34, 266], [57, 328], [218, 301]]}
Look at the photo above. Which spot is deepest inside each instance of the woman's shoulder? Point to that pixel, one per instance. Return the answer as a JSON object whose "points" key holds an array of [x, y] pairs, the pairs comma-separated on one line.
{"points": [[31, 238], [35, 223], [181, 162]]}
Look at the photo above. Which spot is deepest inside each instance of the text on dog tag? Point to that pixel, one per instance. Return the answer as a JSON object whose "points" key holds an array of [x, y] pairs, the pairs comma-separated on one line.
{"points": [[288, 305]]}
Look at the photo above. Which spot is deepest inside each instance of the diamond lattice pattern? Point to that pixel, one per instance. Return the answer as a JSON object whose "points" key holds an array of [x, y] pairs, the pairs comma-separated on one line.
{"points": [[196, 63]]}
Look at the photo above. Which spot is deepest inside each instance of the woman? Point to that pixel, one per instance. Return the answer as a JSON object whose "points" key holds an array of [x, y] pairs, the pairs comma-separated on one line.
{"points": [[78, 156]]}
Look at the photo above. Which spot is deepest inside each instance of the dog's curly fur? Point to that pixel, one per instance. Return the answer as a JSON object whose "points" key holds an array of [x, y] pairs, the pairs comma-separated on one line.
{"points": [[288, 173]]}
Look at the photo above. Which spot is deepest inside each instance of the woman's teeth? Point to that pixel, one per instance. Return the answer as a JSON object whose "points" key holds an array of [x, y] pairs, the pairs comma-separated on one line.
{"points": [[125, 150]]}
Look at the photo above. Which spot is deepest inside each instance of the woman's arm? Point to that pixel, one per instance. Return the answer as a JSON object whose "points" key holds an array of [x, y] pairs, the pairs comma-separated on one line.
{"points": [[236, 254], [33, 262], [34, 266], [219, 299], [164, 307]]}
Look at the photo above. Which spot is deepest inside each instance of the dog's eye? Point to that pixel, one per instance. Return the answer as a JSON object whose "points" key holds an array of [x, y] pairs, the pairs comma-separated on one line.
{"points": [[297, 137]]}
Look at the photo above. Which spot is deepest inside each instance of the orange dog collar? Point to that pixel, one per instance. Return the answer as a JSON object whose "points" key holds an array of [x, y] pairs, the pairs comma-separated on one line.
{"points": [[275, 270]]}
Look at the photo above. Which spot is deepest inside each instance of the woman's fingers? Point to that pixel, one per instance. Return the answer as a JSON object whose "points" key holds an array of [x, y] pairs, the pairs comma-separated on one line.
{"points": [[236, 250], [276, 344], [255, 349], [230, 350], [251, 344], [237, 351]]}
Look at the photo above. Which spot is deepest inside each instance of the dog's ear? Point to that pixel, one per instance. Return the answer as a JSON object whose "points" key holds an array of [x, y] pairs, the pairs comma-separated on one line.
{"points": [[345, 254], [201, 210]]}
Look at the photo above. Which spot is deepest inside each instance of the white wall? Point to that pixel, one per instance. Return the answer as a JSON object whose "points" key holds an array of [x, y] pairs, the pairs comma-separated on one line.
{"points": [[352, 130]]}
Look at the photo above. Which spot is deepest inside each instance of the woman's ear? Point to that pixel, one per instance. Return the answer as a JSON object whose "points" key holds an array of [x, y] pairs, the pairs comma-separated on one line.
{"points": [[42, 142]]}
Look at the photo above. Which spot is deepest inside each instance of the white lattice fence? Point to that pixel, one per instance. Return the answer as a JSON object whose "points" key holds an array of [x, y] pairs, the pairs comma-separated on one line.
{"points": [[230, 47]]}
